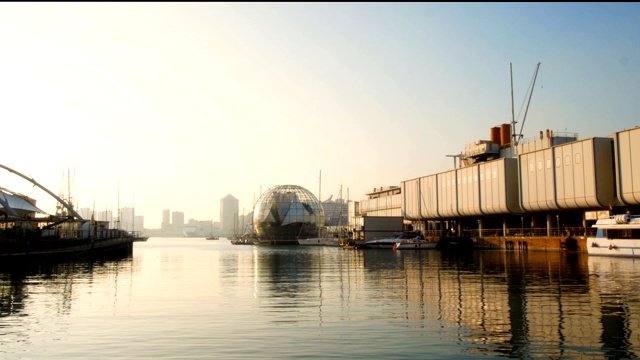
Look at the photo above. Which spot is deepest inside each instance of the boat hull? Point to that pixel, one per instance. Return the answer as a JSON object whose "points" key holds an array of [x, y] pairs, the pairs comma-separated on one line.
{"points": [[380, 245], [415, 245], [40, 247], [329, 241], [613, 247]]}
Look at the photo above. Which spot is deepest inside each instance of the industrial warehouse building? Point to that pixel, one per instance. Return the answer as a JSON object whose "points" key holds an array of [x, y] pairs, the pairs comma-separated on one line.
{"points": [[554, 186]]}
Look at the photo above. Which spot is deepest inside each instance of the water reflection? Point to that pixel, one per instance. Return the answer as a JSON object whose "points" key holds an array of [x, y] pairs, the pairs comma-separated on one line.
{"points": [[502, 303], [615, 284], [442, 305], [31, 292]]}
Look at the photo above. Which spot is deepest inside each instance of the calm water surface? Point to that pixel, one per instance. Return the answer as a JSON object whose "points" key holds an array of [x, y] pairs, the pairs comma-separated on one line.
{"points": [[189, 298]]}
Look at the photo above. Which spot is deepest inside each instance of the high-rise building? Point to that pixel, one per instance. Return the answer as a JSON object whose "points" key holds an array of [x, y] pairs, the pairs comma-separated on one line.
{"points": [[126, 218], [166, 220], [177, 221], [229, 207], [138, 223]]}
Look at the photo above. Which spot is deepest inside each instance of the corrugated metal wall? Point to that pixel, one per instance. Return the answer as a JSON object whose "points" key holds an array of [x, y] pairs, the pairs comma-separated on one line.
{"points": [[627, 148], [584, 174], [576, 175], [537, 173], [468, 191], [447, 194]]}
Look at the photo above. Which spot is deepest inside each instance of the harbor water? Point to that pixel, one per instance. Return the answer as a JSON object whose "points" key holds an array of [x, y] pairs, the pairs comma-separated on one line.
{"points": [[191, 298]]}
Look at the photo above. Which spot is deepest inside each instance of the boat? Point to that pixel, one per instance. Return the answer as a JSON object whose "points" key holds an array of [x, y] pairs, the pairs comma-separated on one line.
{"points": [[414, 244], [212, 238], [248, 238], [328, 237], [245, 241], [29, 231], [324, 238], [619, 235], [320, 241], [389, 243], [138, 236]]}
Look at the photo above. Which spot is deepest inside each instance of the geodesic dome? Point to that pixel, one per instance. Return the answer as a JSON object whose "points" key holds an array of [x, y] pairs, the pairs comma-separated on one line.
{"points": [[286, 213]]}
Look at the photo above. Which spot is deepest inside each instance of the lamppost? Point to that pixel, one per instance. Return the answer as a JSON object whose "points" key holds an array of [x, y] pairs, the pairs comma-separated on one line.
{"points": [[558, 224], [522, 225]]}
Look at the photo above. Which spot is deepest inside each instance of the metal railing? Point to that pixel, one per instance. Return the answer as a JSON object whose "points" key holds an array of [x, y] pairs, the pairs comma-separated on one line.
{"points": [[515, 232]]}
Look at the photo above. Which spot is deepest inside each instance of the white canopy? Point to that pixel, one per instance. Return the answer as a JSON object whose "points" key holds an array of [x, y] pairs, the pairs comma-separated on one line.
{"points": [[15, 204]]}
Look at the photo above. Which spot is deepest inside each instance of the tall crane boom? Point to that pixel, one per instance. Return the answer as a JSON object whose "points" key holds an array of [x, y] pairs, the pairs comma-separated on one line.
{"points": [[535, 76]]}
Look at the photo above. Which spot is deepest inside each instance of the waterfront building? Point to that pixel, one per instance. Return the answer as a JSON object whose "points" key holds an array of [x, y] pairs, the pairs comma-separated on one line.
{"points": [[335, 212], [199, 228], [543, 192]]}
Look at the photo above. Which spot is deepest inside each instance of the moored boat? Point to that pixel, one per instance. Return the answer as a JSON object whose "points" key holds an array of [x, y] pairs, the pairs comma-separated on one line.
{"points": [[389, 243], [245, 242], [415, 244], [246, 239], [617, 236], [138, 236], [320, 241], [29, 231]]}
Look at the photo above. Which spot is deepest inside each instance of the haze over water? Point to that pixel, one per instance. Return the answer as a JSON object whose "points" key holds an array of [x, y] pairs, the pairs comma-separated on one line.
{"points": [[189, 298]]}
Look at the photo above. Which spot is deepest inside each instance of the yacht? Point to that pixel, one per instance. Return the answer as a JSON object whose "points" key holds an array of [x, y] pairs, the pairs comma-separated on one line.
{"points": [[617, 236], [389, 243]]}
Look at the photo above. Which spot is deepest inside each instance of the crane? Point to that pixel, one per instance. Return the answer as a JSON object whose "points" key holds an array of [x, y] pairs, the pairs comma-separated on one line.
{"points": [[518, 136]]}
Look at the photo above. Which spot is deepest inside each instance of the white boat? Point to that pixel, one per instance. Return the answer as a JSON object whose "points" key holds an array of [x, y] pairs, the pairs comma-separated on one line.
{"points": [[616, 236], [320, 241], [414, 244], [389, 243]]}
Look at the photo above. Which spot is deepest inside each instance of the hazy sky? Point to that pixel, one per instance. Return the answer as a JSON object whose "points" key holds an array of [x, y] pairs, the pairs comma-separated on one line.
{"points": [[176, 105]]}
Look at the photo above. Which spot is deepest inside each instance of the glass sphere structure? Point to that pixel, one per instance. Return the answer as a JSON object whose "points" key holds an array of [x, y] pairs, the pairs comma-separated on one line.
{"points": [[286, 213]]}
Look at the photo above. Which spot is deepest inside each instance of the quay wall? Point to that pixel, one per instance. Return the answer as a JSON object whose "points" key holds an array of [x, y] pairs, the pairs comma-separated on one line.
{"points": [[533, 243]]}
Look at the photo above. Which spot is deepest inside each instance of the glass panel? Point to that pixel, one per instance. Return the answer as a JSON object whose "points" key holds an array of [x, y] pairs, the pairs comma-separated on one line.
{"points": [[288, 213]]}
